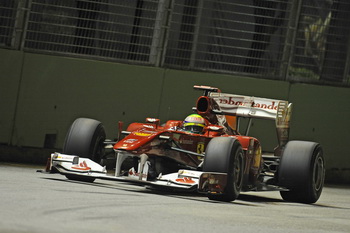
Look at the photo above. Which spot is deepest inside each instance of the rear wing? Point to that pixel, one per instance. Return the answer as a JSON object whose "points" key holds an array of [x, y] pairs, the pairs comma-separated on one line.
{"points": [[249, 106], [216, 103]]}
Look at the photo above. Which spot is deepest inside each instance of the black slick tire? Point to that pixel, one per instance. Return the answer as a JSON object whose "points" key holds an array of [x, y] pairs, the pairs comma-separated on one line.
{"points": [[302, 171], [85, 139], [225, 155]]}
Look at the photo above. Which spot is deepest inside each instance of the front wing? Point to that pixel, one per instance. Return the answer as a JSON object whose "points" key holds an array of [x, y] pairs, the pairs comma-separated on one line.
{"points": [[185, 180]]}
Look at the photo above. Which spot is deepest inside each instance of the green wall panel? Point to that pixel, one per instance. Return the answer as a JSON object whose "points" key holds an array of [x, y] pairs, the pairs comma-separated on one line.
{"points": [[10, 76], [57, 90], [322, 114]]}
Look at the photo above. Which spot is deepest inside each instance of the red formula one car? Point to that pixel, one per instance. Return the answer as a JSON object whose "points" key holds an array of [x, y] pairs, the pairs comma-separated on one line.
{"points": [[204, 153]]}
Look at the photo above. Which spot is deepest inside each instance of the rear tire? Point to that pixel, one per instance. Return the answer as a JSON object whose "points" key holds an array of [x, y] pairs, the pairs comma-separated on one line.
{"points": [[302, 171], [225, 155]]}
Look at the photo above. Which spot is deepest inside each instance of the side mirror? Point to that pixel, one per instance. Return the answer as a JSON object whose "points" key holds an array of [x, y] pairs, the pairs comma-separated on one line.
{"points": [[153, 121], [215, 128]]}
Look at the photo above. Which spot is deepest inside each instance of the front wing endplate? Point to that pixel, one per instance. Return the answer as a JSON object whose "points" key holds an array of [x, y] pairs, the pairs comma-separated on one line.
{"points": [[212, 182]]}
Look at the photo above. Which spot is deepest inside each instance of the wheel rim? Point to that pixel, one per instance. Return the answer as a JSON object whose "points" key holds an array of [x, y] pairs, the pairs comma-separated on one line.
{"points": [[99, 150], [318, 174], [238, 173]]}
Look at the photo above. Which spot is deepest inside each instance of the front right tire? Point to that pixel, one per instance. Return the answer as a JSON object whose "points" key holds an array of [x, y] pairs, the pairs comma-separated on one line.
{"points": [[225, 155]]}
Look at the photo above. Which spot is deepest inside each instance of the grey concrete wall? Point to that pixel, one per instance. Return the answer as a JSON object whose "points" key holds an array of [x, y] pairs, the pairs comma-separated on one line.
{"points": [[42, 94]]}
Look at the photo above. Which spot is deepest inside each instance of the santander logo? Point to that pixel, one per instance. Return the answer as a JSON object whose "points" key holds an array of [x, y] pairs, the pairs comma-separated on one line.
{"points": [[271, 105]]}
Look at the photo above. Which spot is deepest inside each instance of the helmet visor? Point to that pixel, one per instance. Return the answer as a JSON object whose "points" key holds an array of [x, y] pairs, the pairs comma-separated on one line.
{"points": [[194, 128]]}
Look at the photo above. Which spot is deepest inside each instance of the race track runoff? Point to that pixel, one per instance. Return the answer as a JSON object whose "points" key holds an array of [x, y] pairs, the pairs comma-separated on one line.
{"points": [[37, 202]]}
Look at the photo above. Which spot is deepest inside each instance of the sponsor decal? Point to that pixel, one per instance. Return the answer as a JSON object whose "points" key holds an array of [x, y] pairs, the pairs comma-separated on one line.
{"points": [[187, 142], [82, 166], [185, 180], [270, 105], [189, 173], [62, 157], [142, 134], [149, 131], [200, 148], [130, 140]]}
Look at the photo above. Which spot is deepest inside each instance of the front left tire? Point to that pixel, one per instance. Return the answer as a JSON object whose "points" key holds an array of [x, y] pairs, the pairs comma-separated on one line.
{"points": [[85, 138]]}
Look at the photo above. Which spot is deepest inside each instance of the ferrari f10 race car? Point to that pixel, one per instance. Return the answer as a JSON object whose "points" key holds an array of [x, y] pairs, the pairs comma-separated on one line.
{"points": [[205, 153]]}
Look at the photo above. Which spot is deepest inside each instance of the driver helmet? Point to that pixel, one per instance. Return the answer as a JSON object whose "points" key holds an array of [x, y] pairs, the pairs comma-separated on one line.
{"points": [[194, 123]]}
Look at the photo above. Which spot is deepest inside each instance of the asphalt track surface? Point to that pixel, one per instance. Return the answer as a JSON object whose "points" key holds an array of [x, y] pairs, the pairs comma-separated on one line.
{"points": [[37, 202]]}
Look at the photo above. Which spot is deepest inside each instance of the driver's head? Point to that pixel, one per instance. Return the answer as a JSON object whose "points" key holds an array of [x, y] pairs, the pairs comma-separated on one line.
{"points": [[194, 123]]}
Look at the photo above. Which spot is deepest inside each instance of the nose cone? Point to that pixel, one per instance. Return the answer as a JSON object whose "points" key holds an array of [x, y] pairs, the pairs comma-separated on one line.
{"points": [[135, 140]]}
